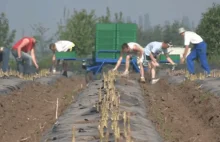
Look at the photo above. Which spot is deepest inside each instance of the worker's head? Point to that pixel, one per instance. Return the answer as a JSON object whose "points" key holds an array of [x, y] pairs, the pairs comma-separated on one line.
{"points": [[52, 47], [182, 31], [125, 47], [166, 44]]}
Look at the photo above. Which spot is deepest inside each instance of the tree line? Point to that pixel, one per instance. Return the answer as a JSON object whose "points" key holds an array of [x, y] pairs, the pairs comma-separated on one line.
{"points": [[79, 27]]}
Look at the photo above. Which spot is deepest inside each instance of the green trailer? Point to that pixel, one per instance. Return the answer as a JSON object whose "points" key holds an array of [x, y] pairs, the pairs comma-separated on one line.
{"points": [[174, 57], [108, 41], [112, 36]]}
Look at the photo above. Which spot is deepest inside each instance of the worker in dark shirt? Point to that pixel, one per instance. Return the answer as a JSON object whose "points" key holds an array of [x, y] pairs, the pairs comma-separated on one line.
{"points": [[4, 59]]}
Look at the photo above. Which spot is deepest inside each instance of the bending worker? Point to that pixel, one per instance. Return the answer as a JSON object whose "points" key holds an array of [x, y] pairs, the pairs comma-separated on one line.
{"points": [[199, 50], [4, 59], [61, 46], [20, 52], [152, 50], [131, 49]]}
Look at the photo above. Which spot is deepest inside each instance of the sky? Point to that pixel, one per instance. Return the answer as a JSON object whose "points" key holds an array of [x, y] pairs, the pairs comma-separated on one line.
{"points": [[23, 13]]}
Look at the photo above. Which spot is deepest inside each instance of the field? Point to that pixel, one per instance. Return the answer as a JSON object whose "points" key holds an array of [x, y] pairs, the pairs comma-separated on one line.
{"points": [[178, 112]]}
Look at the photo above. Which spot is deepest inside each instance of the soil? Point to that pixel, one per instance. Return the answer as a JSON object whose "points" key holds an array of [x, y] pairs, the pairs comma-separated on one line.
{"points": [[183, 113], [180, 113], [26, 113]]}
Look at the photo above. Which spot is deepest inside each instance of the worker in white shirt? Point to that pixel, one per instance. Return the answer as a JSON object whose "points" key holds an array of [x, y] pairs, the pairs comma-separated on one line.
{"points": [[61, 46], [152, 50], [199, 50], [131, 49]]}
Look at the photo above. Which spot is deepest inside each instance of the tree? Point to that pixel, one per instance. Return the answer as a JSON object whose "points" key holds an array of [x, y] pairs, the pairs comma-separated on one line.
{"points": [[157, 33], [209, 29], [80, 29], [6, 37], [119, 17], [167, 31], [175, 37], [106, 18], [142, 36]]}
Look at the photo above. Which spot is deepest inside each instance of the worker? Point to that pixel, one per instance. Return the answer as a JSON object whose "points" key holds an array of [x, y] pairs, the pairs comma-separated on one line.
{"points": [[61, 46], [24, 53], [131, 49], [4, 60], [199, 50], [152, 50]]}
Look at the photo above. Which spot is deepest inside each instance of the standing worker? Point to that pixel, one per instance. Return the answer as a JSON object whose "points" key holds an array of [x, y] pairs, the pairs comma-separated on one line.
{"points": [[131, 49], [61, 46], [152, 50], [20, 51], [199, 50], [4, 59]]}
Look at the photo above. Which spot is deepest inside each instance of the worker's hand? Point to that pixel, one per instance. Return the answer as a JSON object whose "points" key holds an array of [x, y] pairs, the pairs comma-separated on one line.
{"points": [[19, 59], [54, 70], [154, 60], [114, 69], [36, 66], [53, 60], [174, 66], [1, 49], [156, 64], [182, 60]]}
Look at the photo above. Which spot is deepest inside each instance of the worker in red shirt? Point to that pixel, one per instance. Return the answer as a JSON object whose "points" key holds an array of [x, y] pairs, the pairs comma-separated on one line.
{"points": [[24, 60]]}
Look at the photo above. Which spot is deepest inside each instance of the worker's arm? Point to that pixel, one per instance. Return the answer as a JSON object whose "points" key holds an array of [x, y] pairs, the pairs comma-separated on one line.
{"points": [[154, 61], [185, 51], [152, 57], [119, 61], [23, 44], [169, 59], [54, 59], [34, 58], [184, 54], [186, 43]]}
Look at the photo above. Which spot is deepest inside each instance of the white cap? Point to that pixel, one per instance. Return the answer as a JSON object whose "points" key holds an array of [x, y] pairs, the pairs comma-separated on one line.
{"points": [[181, 30]]}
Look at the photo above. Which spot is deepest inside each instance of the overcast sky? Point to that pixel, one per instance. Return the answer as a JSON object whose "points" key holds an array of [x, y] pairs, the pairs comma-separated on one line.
{"points": [[23, 13]]}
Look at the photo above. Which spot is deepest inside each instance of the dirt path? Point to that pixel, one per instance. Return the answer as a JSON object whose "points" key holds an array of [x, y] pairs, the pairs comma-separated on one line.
{"points": [[85, 118], [183, 113], [27, 113]]}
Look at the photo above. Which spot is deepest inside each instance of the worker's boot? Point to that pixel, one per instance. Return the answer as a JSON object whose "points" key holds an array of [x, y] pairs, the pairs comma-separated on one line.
{"points": [[142, 80], [154, 81]]}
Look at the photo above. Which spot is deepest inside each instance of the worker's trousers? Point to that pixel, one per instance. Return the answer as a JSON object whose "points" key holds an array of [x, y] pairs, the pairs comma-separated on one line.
{"points": [[25, 66], [4, 59], [199, 50]]}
